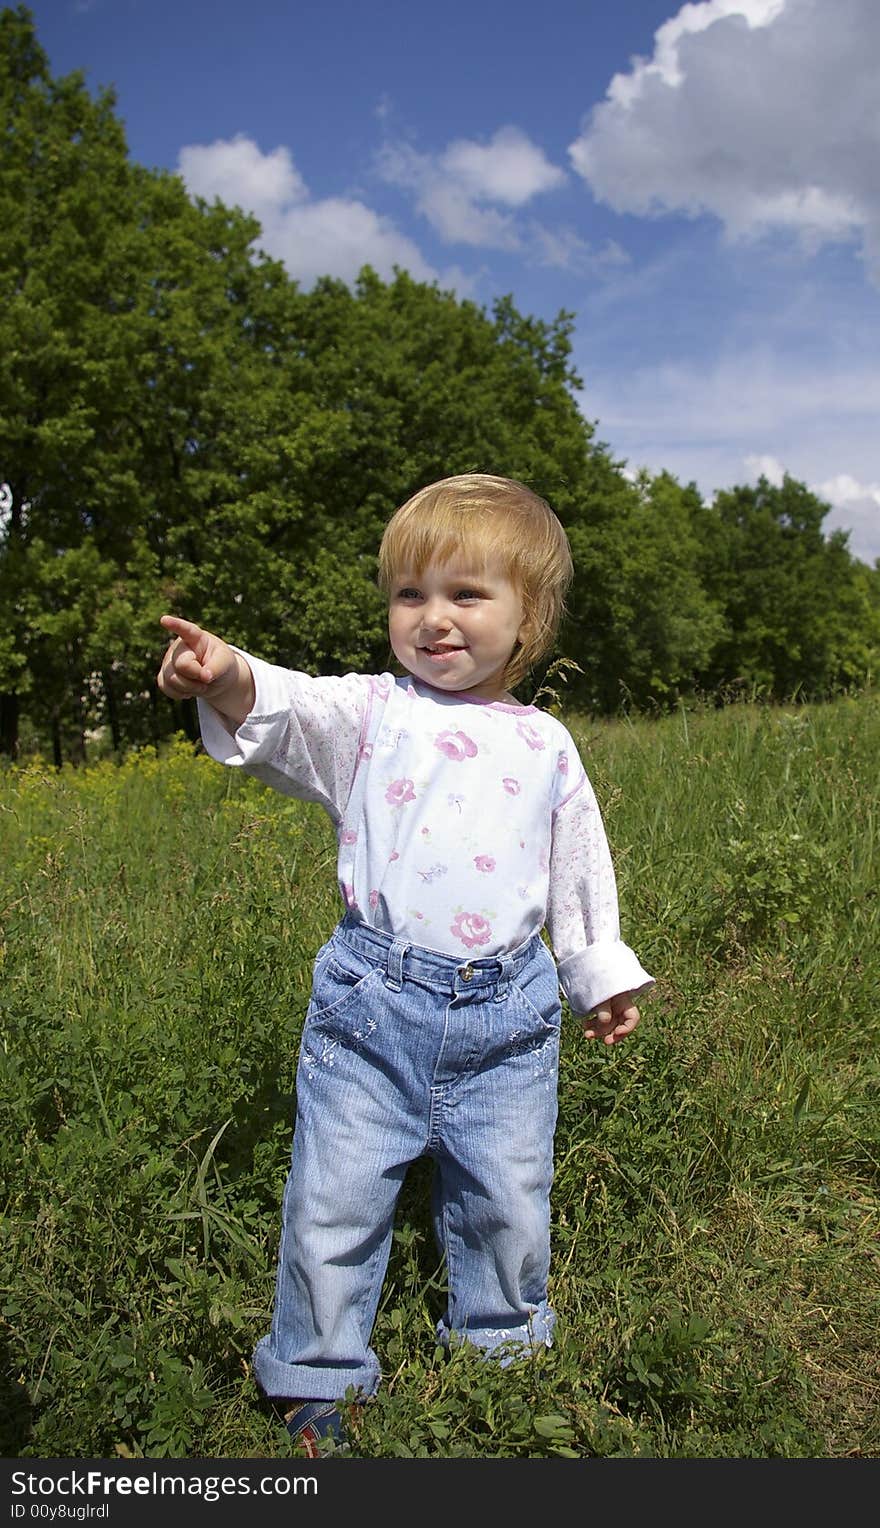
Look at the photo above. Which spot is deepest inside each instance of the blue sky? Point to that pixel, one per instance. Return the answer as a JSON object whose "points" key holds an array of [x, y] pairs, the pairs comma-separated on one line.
{"points": [[697, 183]]}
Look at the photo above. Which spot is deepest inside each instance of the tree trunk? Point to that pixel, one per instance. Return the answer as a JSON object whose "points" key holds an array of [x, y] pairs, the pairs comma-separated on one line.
{"points": [[155, 729], [9, 712], [112, 712]]}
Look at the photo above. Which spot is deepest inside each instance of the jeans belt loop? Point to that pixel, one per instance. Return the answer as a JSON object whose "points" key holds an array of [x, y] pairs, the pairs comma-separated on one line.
{"points": [[394, 967], [504, 980]]}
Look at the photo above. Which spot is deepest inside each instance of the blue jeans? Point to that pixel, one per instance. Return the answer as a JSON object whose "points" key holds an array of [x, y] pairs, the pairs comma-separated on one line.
{"points": [[406, 1053]]}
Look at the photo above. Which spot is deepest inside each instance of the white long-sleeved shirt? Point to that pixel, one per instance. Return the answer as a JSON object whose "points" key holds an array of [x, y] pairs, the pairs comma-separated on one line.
{"points": [[464, 825]]}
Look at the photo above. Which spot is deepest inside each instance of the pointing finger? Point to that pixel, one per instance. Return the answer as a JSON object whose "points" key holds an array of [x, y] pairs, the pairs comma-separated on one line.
{"points": [[188, 632]]}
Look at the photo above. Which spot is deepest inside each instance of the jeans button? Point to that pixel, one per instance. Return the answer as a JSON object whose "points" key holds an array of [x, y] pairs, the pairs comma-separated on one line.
{"points": [[467, 973]]}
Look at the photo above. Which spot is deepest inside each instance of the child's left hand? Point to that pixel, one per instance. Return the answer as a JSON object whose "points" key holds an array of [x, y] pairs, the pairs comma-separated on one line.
{"points": [[612, 1020]]}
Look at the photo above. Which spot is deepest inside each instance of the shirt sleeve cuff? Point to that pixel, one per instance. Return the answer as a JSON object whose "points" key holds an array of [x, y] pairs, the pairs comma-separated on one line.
{"points": [[249, 744], [601, 971]]}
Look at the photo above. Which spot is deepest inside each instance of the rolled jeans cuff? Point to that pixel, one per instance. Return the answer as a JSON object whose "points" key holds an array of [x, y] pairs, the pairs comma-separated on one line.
{"points": [[310, 1382], [521, 1341]]}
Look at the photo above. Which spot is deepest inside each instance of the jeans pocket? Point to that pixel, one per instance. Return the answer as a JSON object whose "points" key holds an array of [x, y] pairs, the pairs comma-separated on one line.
{"points": [[537, 991], [340, 986]]}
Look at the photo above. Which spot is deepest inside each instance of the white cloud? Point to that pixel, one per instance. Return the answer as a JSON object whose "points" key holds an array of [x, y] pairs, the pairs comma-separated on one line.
{"points": [[856, 508], [333, 236], [466, 192], [235, 171], [722, 422], [452, 211], [760, 112], [748, 394], [844, 489], [767, 467], [691, 19], [509, 169], [563, 249]]}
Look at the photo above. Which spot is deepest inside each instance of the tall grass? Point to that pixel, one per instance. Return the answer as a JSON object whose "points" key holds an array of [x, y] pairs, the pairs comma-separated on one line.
{"points": [[716, 1268]]}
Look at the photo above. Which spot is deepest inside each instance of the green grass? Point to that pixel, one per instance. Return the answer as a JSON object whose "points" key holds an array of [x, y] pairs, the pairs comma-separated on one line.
{"points": [[716, 1268]]}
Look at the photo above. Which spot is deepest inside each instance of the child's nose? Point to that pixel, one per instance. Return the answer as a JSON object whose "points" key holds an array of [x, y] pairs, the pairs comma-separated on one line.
{"points": [[435, 615]]}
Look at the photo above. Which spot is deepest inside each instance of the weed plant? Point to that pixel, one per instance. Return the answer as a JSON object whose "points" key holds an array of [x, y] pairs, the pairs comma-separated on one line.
{"points": [[715, 1256]]}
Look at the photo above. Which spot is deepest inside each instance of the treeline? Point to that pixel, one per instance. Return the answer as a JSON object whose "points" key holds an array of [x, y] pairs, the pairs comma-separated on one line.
{"points": [[182, 428]]}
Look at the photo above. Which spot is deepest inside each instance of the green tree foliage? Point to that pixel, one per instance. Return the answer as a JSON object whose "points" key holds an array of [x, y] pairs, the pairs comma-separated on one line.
{"points": [[182, 428], [640, 620], [800, 613], [140, 383]]}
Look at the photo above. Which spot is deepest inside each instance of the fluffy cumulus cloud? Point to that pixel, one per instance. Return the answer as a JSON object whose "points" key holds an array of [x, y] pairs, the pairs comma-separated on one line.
{"points": [[451, 210], [240, 175], [509, 169], [470, 192], [332, 236], [761, 112]]}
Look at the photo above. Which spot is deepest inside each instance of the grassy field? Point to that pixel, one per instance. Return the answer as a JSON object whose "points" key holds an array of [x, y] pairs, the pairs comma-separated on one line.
{"points": [[716, 1265]]}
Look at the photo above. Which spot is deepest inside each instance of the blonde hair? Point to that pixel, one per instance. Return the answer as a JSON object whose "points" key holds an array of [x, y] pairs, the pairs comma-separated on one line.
{"points": [[483, 517]]}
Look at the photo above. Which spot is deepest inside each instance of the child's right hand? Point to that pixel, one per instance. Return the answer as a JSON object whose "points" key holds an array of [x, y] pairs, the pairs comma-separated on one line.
{"points": [[194, 660]]}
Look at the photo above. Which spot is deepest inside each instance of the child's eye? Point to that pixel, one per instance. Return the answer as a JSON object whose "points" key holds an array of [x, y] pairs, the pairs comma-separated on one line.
{"points": [[468, 594], [407, 594]]}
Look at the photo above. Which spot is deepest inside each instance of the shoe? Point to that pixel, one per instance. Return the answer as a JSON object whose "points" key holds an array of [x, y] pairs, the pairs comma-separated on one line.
{"points": [[312, 1420]]}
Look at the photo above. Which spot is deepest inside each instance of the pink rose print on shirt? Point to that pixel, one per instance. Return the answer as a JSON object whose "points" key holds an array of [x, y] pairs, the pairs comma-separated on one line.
{"points": [[374, 898], [530, 735], [562, 763], [348, 895], [399, 792], [484, 862], [366, 750], [456, 745], [349, 836], [472, 929], [512, 786], [393, 856]]}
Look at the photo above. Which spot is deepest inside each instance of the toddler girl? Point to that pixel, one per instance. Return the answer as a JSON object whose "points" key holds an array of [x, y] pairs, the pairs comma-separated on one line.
{"points": [[466, 824]]}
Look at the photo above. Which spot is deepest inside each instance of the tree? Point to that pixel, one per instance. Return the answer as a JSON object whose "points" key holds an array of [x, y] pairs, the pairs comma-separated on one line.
{"points": [[640, 621], [139, 343], [62, 155], [796, 605]]}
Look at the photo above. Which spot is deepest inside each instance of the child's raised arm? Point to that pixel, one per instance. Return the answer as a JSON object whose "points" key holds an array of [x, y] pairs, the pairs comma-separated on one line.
{"points": [[196, 663]]}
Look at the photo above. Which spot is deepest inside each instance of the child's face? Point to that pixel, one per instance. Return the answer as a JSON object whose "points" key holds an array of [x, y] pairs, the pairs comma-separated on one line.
{"points": [[455, 627]]}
